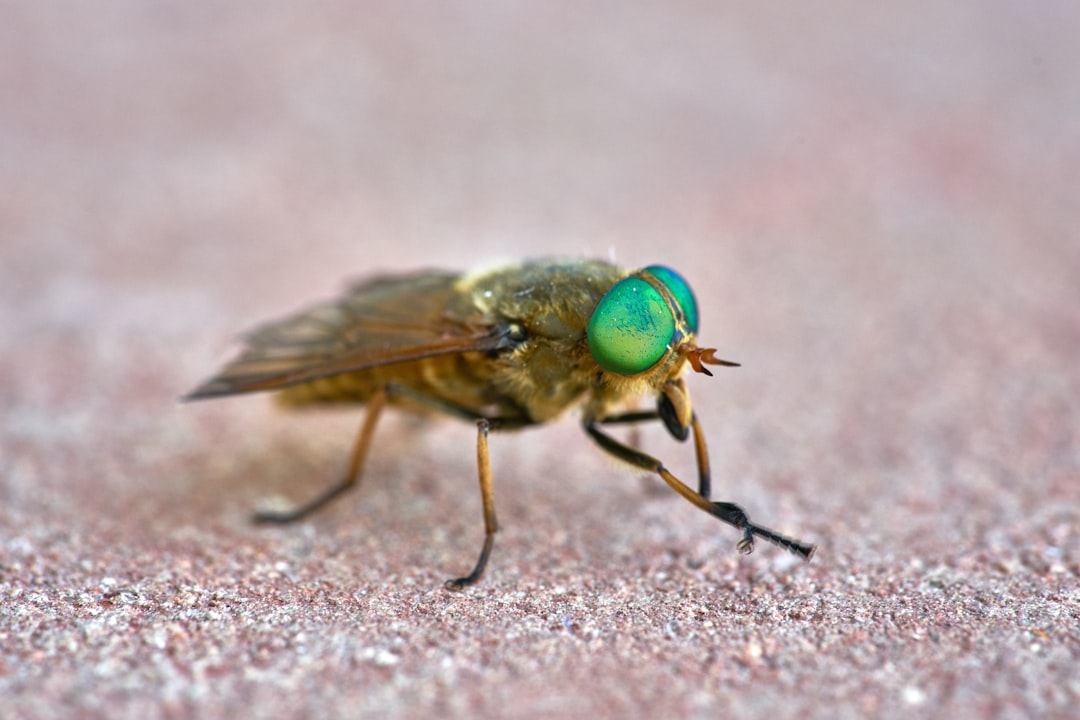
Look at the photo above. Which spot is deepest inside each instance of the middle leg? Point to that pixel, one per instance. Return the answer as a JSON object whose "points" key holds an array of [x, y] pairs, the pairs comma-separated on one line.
{"points": [[487, 497]]}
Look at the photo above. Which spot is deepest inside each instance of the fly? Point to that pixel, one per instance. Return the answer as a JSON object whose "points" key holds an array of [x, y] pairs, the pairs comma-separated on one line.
{"points": [[506, 349]]}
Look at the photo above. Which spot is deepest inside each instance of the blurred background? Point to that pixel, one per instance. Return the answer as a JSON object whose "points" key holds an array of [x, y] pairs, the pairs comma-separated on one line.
{"points": [[875, 203], [343, 138]]}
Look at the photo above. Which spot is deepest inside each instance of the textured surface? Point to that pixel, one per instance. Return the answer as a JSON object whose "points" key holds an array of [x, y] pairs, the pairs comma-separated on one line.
{"points": [[876, 207]]}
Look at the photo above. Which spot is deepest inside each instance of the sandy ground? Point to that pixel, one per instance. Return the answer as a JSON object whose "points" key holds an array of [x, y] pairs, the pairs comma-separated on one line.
{"points": [[877, 207]]}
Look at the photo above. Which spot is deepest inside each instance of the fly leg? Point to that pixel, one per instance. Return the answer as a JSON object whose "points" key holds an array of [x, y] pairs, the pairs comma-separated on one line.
{"points": [[483, 467], [491, 525], [701, 451], [728, 512], [352, 476]]}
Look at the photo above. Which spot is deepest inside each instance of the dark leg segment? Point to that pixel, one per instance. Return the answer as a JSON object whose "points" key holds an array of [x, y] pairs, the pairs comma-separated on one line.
{"points": [[487, 497], [728, 512]]}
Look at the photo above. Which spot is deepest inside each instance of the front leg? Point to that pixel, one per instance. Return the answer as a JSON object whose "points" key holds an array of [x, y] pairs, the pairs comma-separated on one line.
{"points": [[728, 512], [701, 451]]}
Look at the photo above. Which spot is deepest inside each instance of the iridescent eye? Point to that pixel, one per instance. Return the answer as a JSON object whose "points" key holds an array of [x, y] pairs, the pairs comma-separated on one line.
{"points": [[632, 327], [680, 290]]}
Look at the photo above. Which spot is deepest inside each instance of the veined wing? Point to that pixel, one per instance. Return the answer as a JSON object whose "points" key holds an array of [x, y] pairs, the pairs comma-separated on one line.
{"points": [[381, 321]]}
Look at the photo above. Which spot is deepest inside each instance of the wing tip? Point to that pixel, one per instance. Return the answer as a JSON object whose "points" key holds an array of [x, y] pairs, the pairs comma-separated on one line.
{"points": [[208, 390]]}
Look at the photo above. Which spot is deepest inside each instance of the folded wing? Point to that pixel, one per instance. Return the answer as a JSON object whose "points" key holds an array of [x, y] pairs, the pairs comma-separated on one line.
{"points": [[381, 321]]}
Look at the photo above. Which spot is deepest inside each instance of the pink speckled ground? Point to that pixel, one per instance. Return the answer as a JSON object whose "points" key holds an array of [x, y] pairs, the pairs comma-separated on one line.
{"points": [[877, 207]]}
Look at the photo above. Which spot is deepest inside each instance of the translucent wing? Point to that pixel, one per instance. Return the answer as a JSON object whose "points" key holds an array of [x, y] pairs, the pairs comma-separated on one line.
{"points": [[381, 321]]}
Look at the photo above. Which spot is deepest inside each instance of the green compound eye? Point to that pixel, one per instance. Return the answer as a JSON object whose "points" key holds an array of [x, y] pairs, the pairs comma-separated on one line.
{"points": [[632, 327], [682, 293]]}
